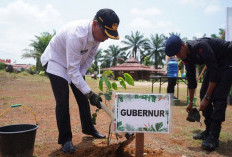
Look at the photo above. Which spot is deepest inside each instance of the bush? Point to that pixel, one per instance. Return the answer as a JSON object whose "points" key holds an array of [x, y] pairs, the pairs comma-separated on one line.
{"points": [[9, 68], [42, 73], [2, 66]]}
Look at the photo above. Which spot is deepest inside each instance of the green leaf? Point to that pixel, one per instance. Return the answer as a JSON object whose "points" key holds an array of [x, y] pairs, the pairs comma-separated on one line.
{"points": [[107, 96], [114, 85], [129, 79], [108, 73], [121, 128], [145, 129], [119, 123], [101, 84], [163, 130], [107, 82], [153, 97], [152, 128], [120, 78], [100, 93], [94, 117], [158, 126], [122, 83]]}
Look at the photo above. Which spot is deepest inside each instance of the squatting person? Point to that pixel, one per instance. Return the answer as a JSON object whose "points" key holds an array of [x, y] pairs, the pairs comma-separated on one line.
{"points": [[216, 54], [66, 59]]}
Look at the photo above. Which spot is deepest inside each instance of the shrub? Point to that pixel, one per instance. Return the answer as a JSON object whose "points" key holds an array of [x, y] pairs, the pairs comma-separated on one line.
{"points": [[9, 68], [42, 73], [2, 66]]}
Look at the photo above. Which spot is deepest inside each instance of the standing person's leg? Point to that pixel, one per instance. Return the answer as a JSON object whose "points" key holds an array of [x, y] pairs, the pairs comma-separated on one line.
{"points": [[85, 113], [171, 85], [219, 99], [61, 92]]}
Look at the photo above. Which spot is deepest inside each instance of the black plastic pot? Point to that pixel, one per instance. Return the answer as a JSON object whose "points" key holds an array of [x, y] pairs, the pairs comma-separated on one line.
{"points": [[17, 140]]}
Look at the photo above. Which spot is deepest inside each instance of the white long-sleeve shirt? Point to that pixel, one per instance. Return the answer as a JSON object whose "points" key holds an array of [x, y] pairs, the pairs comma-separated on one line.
{"points": [[71, 52]]}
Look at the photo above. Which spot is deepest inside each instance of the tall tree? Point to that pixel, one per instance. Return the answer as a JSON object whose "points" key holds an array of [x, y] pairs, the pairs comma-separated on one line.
{"points": [[221, 34], [97, 59], [155, 49], [113, 55], [134, 43], [39, 45]]}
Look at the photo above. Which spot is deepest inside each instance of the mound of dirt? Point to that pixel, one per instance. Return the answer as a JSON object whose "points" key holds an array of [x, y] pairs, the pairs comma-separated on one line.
{"points": [[102, 150]]}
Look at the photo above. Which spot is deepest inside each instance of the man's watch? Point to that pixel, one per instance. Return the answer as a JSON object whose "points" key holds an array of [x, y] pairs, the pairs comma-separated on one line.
{"points": [[207, 97], [88, 95]]}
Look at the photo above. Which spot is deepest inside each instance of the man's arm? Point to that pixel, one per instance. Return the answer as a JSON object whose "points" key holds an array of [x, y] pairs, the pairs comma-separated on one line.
{"points": [[192, 83], [191, 97], [73, 50]]}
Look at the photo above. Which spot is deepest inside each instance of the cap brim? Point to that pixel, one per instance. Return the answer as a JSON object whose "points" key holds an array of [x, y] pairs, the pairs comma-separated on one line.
{"points": [[111, 34]]}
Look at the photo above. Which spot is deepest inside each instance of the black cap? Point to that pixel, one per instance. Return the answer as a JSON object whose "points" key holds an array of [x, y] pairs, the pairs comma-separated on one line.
{"points": [[173, 45], [109, 21]]}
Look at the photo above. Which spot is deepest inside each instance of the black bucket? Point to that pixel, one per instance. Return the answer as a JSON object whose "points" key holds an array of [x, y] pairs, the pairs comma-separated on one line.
{"points": [[17, 140]]}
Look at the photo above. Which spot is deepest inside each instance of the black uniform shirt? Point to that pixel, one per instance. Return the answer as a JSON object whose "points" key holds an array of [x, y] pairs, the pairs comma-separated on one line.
{"points": [[215, 53]]}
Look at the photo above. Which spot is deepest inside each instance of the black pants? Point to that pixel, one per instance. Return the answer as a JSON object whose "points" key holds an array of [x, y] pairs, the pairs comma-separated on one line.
{"points": [[60, 89], [216, 109], [171, 84]]}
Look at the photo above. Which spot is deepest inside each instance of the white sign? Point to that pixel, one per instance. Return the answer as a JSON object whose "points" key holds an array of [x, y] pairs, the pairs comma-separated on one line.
{"points": [[148, 113]]}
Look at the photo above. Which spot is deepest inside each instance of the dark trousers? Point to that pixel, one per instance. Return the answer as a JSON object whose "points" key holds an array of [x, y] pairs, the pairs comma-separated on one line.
{"points": [[171, 84], [60, 89], [215, 112]]}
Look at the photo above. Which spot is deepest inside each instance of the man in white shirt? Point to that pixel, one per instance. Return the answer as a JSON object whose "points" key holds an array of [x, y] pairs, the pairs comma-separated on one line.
{"points": [[67, 58]]}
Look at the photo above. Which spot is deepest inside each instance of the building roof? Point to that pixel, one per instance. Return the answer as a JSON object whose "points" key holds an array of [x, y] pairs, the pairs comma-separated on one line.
{"points": [[132, 64], [24, 66]]}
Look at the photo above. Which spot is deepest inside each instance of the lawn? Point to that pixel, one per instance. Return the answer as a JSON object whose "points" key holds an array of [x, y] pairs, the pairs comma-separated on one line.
{"points": [[34, 91]]}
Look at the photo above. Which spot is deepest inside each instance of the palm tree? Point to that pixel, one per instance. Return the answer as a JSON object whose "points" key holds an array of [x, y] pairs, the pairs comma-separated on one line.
{"points": [[221, 34], [97, 59], [195, 38], [39, 45], [155, 49], [113, 55], [134, 43]]}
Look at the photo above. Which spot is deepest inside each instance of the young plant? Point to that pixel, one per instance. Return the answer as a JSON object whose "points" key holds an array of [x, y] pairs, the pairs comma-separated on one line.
{"points": [[110, 87]]}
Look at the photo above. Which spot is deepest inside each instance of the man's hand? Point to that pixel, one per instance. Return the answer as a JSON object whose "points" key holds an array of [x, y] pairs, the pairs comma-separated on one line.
{"points": [[204, 104], [189, 107], [94, 99]]}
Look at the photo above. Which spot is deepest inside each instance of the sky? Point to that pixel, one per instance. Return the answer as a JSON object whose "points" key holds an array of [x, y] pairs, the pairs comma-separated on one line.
{"points": [[21, 20]]}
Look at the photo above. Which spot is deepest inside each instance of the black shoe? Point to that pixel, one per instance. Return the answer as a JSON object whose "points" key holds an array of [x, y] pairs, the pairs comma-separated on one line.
{"points": [[210, 144], [67, 147], [201, 136], [95, 134], [129, 135]]}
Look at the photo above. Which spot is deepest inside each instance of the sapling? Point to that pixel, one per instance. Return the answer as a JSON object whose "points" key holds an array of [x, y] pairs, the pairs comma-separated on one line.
{"points": [[110, 87]]}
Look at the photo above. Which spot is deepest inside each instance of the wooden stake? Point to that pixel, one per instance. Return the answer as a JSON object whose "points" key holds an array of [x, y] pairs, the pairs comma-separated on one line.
{"points": [[139, 144]]}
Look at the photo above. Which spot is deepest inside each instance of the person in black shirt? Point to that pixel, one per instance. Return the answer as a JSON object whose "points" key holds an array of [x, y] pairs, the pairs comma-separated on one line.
{"points": [[216, 54]]}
